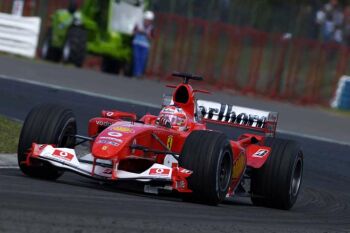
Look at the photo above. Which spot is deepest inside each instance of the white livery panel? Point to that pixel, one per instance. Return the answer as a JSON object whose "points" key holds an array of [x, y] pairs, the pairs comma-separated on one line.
{"points": [[237, 116], [66, 158]]}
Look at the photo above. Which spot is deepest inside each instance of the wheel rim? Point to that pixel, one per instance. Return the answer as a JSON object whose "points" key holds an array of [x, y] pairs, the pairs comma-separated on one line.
{"points": [[45, 49], [296, 176], [225, 172], [66, 51]]}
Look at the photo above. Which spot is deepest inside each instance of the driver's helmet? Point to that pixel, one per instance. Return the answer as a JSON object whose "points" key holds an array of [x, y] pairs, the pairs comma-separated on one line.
{"points": [[174, 117]]}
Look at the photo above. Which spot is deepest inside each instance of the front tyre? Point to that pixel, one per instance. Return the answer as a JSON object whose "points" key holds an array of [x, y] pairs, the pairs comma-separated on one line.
{"points": [[277, 183], [45, 124], [209, 155]]}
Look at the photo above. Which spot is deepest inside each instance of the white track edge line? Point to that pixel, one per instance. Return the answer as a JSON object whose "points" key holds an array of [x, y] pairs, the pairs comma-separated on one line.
{"points": [[152, 105]]}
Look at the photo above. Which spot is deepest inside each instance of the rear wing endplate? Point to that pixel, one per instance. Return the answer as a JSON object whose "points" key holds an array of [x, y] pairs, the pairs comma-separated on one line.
{"points": [[235, 116]]}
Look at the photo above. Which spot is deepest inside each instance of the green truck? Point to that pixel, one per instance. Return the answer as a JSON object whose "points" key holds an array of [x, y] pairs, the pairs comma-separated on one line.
{"points": [[99, 27]]}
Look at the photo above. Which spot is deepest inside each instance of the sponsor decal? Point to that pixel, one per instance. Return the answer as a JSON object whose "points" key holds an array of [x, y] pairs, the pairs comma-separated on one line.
{"points": [[260, 153], [239, 166], [123, 129], [169, 142], [107, 171], [108, 142], [103, 123], [232, 114], [115, 134], [63, 155], [159, 171], [109, 138], [109, 114]]}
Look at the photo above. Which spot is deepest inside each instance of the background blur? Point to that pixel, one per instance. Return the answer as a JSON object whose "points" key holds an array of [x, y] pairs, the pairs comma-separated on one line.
{"points": [[270, 48]]}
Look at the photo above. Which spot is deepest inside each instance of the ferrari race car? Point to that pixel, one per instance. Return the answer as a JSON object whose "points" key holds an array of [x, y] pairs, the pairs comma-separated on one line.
{"points": [[174, 151]]}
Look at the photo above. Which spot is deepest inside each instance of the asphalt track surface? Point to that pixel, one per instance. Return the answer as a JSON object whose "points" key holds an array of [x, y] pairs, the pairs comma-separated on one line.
{"points": [[77, 204]]}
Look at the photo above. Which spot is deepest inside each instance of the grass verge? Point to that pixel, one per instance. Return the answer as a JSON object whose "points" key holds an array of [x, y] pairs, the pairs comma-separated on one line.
{"points": [[9, 134]]}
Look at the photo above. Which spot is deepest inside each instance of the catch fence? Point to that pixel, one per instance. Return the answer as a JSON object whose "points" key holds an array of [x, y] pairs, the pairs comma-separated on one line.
{"points": [[247, 60]]}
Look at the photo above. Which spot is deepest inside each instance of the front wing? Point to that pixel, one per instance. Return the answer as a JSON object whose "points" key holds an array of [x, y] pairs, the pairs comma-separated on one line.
{"points": [[173, 178]]}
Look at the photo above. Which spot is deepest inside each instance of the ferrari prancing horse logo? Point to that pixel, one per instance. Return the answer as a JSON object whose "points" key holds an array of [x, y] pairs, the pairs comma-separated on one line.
{"points": [[169, 142]]}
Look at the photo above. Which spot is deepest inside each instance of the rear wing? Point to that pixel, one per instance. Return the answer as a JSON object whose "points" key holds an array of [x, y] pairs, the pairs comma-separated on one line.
{"points": [[235, 116]]}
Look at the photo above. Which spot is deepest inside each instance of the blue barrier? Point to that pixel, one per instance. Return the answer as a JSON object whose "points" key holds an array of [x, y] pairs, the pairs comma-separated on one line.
{"points": [[342, 95]]}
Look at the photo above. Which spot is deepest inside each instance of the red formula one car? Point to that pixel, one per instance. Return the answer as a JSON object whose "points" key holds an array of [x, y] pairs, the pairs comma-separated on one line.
{"points": [[173, 151]]}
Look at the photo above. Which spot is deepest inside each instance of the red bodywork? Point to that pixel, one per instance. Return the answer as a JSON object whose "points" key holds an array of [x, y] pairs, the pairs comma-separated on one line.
{"points": [[134, 147], [116, 131]]}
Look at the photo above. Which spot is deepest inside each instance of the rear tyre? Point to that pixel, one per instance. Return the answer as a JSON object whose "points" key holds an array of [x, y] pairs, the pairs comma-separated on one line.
{"points": [[209, 155], [45, 124], [48, 52], [74, 49], [277, 183]]}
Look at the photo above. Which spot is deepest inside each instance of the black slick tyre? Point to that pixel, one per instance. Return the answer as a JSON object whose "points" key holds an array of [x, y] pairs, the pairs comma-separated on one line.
{"points": [[277, 183], [209, 155], [45, 124], [74, 49], [48, 52]]}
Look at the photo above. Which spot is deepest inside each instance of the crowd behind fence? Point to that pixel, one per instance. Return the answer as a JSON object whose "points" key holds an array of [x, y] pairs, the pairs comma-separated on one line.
{"points": [[242, 56], [300, 18]]}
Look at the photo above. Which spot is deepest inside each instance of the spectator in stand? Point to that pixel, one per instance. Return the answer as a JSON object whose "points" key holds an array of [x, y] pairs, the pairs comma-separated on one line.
{"points": [[347, 25], [314, 30], [331, 18], [143, 34]]}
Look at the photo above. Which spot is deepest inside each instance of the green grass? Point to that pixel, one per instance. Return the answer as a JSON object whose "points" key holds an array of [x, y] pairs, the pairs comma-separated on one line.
{"points": [[9, 134]]}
